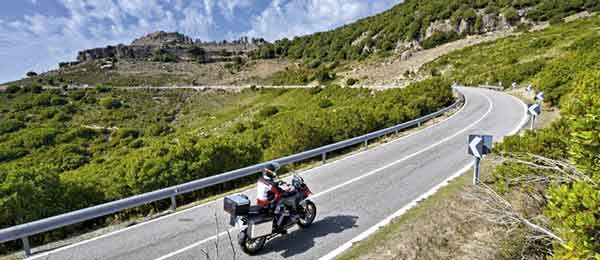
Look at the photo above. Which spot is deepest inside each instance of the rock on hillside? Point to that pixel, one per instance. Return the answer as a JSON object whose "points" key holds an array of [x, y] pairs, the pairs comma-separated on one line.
{"points": [[171, 47], [162, 38]]}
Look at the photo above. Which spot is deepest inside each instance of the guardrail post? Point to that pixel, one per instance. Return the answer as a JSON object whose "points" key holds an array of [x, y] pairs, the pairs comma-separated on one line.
{"points": [[366, 144], [26, 246], [419, 124], [173, 203], [324, 158]]}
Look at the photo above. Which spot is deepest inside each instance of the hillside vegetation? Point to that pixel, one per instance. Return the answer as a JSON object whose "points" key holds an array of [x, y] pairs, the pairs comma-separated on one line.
{"points": [[393, 29], [551, 60], [66, 150], [563, 61]]}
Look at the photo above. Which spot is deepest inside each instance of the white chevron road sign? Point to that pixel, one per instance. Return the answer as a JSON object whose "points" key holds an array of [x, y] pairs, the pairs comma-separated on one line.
{"points": [[480, 145], [539, 96], [534, 110]]}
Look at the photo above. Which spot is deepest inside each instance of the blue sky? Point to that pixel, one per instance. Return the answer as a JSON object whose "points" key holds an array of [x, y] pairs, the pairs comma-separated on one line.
{"points": [[37, 34]]}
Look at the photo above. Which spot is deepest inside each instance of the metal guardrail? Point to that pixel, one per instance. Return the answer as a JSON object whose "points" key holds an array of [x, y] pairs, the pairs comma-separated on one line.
{"points": [[32, 228], [492, 87]]}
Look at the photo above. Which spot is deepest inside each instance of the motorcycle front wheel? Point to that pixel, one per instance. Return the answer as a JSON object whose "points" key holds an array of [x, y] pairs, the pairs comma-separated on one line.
{"points": [[308, 212], [250, 246]]}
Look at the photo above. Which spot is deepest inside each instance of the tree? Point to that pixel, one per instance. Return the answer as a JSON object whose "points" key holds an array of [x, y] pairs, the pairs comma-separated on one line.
{"points": [[31, 74], [13, 89], [511, 15]]}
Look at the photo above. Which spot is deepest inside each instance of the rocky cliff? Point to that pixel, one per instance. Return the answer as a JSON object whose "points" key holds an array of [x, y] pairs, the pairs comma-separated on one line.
{"points": [[173, 46]]}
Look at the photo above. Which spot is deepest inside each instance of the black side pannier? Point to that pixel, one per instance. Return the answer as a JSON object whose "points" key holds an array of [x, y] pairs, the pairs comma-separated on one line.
{"points": [[237, 205]]}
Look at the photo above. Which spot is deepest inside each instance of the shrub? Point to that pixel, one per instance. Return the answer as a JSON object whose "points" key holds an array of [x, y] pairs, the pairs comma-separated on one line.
{"points": [[556, 20], [523, 27], [124, 133], [57, 101], [103, 88], [8, 153], [10, 125], [33, 89], [324, 76], [13, 89], [325, 103], [351, 82], [439, 38], [315, 90], [110, 103], [31, 74], [43, 99], [77, 94], [511, 15], [314, 63], [138, 143], [38, 137], [268, 111]]}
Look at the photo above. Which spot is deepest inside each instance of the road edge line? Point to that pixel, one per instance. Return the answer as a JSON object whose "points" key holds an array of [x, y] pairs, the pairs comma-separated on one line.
{"points": [[331, 255], [68, 246], [370, 173], [400, 212]]}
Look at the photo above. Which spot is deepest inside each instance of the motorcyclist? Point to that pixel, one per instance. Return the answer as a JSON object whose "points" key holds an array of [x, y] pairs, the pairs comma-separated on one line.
{"points": [[267, 188]]}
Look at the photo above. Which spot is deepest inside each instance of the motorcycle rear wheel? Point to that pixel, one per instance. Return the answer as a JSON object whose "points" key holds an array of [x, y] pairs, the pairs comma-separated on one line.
{"points": [[250, 246], [308, 214]]}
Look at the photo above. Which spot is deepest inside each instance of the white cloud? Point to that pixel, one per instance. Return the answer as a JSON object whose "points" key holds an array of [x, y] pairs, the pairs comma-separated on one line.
{"points": [[286, 19], [39, 41]]}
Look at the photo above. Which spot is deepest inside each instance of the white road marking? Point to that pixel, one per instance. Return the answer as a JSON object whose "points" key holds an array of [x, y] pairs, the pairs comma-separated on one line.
{"points": [[396, 214], [45, 254], [376, 227], [373, 172], [524, 119]]}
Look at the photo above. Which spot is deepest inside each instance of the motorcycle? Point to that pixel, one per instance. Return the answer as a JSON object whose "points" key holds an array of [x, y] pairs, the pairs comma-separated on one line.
{"points": [[261, 224]]}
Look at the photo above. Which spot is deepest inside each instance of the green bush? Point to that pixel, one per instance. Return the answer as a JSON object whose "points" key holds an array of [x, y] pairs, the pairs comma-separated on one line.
{"points": [[38, 137], [324, 76], [315, 90], [268, 111], [43, 99], [13, 89], [556, 20], [351, 81], [103, 89], [110, 103], [439, 38], [511, 15], [325, 103], [58, 101], [10, 125], [77, 95]]}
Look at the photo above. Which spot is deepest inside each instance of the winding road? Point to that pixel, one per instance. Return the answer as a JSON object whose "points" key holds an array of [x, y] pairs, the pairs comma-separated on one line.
{"points": [[354, 195]]}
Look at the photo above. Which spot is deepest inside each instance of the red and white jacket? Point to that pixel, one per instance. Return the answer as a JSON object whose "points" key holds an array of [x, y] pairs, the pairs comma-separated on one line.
{"points": [[263, 187]]}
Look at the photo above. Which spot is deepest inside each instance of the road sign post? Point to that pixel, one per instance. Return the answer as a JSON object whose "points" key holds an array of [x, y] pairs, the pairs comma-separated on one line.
{"points": [[479, 145], [476, 171], [534, 110]]}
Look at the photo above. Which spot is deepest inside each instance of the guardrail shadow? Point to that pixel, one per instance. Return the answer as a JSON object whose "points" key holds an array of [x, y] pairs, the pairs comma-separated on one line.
{"points": [[301, 240]]}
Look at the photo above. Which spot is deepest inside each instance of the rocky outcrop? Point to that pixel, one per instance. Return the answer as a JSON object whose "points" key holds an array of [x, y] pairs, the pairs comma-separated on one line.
{"points": [[163, 38], [489, 23], [443, 26], [175, 46], [494, 22], [120, 52]]}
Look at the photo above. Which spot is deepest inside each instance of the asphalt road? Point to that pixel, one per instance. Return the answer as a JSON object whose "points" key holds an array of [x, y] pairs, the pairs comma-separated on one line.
{"points": [[352, 194]]}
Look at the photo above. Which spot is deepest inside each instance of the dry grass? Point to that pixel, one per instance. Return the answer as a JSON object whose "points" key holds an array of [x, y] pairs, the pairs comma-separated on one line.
{"points": [[448, 225]]}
